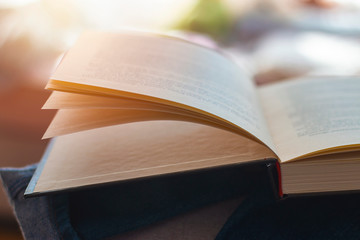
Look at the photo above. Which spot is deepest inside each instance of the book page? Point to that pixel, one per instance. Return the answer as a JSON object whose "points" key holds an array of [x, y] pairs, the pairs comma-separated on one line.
{"points": [[66, 100], [68, 121], [164, 70], [313, 115], [142, 149], [79, 112]]}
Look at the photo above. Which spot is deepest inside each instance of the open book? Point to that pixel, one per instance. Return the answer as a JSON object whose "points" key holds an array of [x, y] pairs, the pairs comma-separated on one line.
{"points": [[206, 113]]}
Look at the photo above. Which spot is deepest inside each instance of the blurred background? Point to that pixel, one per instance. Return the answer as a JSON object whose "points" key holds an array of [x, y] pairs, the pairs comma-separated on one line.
{"points": [[273, 40]]}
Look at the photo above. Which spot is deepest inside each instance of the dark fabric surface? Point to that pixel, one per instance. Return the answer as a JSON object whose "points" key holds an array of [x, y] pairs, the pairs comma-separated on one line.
{"points": [[89, 214], [39, 218], [106, 211], [130, 205], [304, 217]]}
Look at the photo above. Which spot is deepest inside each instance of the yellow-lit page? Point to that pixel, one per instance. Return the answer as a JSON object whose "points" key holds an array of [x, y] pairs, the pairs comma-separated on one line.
{"points": [[142, 149], [313, 115], [164, 70]]}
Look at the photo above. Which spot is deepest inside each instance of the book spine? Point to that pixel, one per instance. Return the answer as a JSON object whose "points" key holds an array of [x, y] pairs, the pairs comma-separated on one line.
{"points": [[274, 172], [278, 169]]}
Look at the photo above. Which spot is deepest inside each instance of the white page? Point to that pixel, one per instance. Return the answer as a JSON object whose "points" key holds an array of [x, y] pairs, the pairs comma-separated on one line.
{"points": [[312, 114]]}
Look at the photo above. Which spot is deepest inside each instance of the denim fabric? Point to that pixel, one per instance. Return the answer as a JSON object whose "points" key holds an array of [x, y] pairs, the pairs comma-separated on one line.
{"points": [[108, 211], [39, 218], [130, 205], [304, 217]]}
